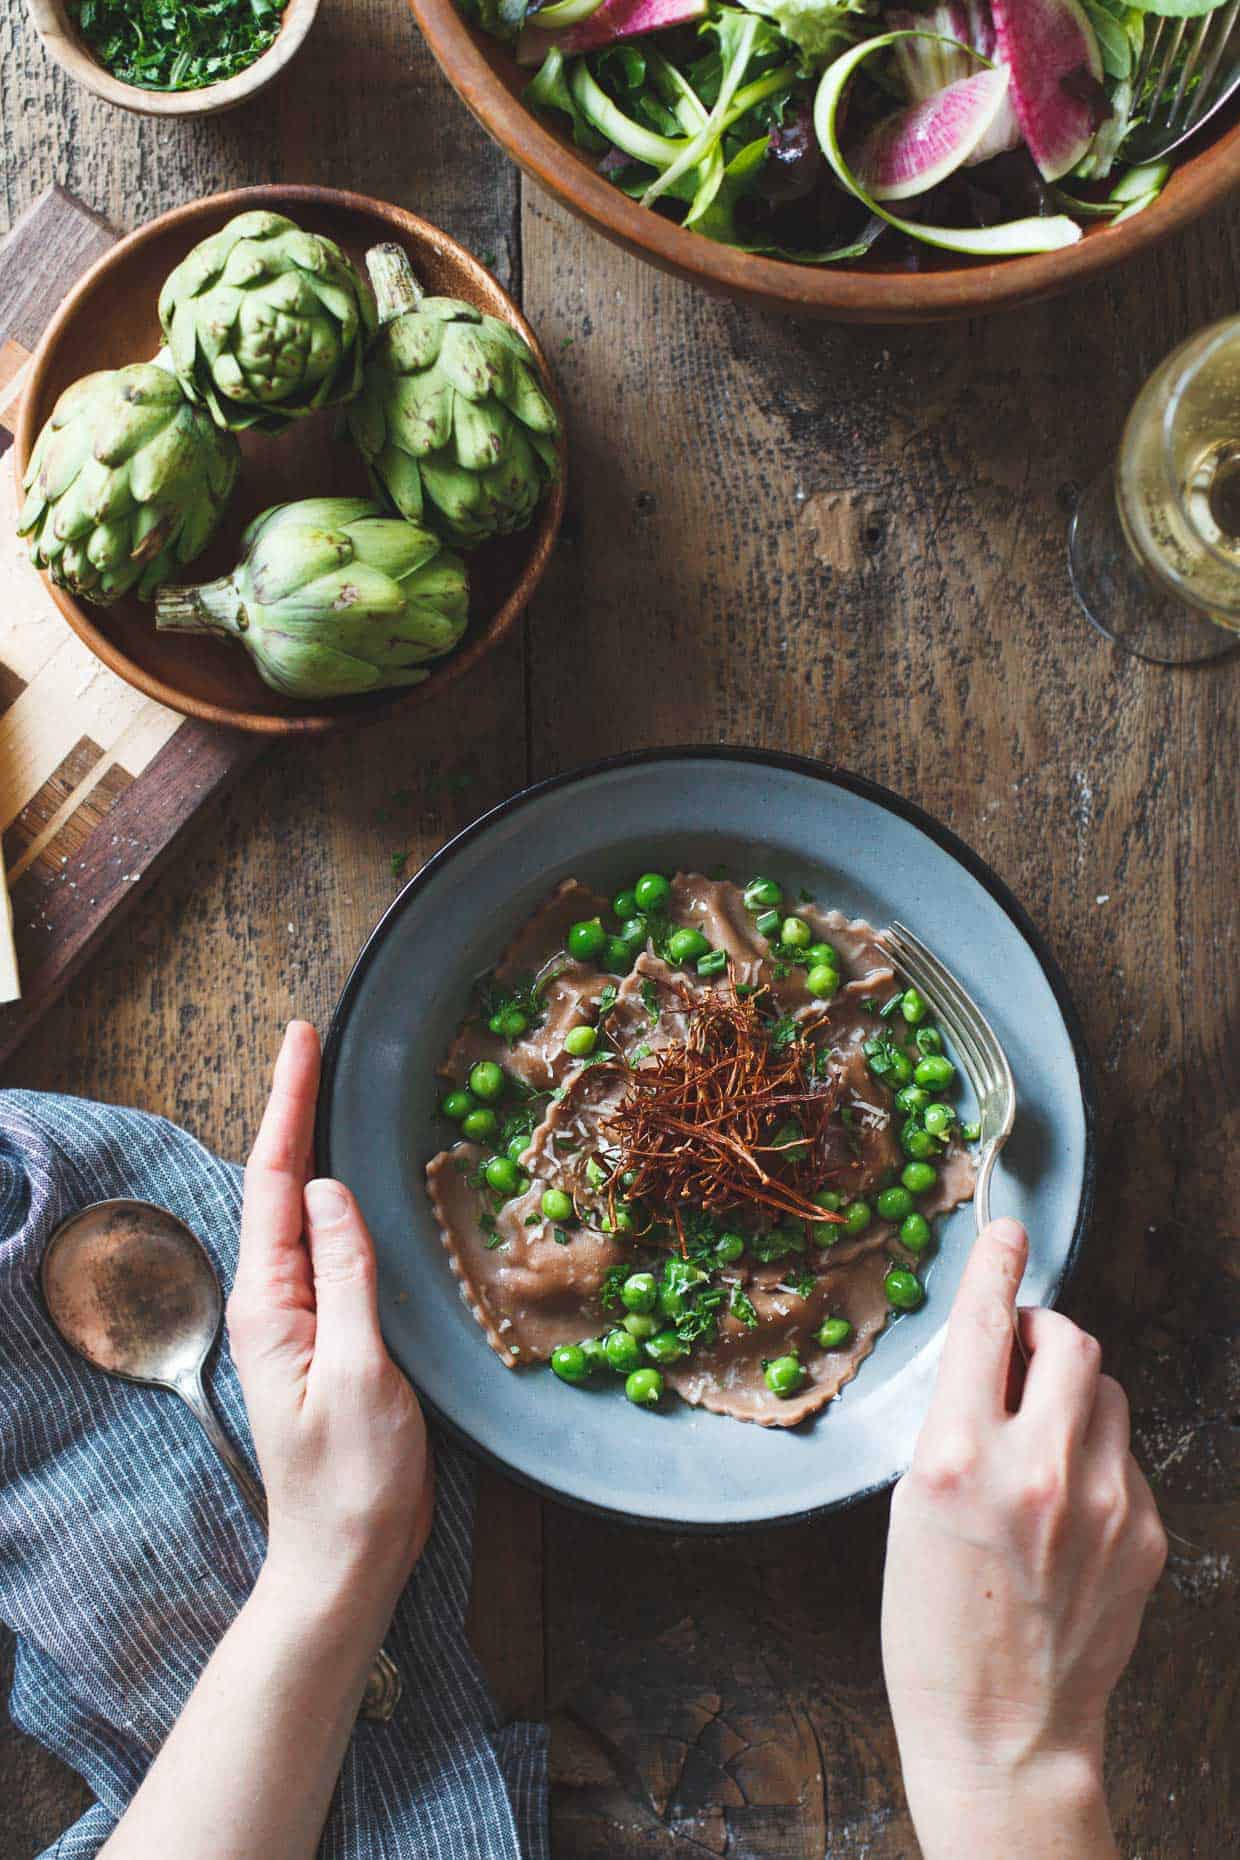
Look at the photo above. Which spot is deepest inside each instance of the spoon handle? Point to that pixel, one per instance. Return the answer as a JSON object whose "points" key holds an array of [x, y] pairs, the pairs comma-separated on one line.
{"points": [[383, 1682]]}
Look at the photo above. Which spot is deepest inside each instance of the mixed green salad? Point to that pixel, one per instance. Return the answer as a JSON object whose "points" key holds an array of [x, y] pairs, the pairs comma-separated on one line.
{"points": [[816, 130]]}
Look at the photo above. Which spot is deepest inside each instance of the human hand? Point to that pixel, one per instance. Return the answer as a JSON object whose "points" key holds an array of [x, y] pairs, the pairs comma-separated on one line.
{"points": [[1024, 1544], [337, 1428]]}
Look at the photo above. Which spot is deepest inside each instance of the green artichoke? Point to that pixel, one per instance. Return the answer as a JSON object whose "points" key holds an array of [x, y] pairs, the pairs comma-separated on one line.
{"points": [[452, 418], [331, 598], [266, 322], [125, 484]]}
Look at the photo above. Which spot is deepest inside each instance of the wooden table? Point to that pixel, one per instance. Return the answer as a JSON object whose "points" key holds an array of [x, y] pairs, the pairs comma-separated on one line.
{"points": [[843, 542]]}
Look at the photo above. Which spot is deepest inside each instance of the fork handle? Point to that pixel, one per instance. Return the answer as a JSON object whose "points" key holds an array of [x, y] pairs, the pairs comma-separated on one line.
{"points": [[981, 1191]]}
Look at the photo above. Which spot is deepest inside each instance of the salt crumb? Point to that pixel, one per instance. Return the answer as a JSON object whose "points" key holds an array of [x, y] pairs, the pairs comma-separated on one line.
{"points": [[1104, 897]]}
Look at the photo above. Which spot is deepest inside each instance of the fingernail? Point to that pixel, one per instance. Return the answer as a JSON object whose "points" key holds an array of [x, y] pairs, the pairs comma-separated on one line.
{"points": [[1008, 1233], [326, 1203]]}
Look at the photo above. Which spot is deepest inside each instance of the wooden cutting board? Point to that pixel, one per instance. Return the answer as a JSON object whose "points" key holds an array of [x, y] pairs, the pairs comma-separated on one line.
{"points": [[98, 783]]}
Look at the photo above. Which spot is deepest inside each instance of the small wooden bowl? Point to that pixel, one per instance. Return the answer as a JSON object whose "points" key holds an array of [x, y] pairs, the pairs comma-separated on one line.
{"points": [[109, 318], [58, 29], [491, 83]]}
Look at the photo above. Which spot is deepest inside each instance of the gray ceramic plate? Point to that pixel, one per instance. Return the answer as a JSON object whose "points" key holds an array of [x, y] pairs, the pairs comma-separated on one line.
{"points": [[852, 845]]}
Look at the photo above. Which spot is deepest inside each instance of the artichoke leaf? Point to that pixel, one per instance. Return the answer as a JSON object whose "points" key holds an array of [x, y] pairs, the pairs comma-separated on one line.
{"points": [[66, 453], [420, 412], [318, 603], [524, 397], [409, 343], [167, 461], [449, 310], [482, 434], [296, 559], [367, 414], [398, 475], [306, 669], [396, 547], [465, 361]]}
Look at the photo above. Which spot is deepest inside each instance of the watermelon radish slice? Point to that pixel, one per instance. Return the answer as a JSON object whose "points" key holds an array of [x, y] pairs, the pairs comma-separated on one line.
{"points": [[966, 38], [912, 151], [1049, 234], [608, 23], [1051, 51]]}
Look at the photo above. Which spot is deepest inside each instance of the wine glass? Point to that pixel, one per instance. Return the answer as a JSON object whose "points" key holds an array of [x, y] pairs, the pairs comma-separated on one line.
{"points": [[1154, 546]]}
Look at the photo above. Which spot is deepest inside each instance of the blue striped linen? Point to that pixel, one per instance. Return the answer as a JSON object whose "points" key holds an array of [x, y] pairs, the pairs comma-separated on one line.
{"points": [[125, 1551]]}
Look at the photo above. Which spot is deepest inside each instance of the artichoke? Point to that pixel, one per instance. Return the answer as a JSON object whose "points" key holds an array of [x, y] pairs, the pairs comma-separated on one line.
{"points": [[332, 598], [125, 485], [452, 418], [266, 322]]}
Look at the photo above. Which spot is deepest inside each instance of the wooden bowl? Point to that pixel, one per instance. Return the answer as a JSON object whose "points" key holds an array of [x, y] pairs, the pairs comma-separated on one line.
{"points": [[58, 29], [109, 318], [490, 83]]}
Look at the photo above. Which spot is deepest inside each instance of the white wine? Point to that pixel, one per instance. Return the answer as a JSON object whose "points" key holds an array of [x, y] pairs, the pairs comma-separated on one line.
{"points": [[1177, 480]]}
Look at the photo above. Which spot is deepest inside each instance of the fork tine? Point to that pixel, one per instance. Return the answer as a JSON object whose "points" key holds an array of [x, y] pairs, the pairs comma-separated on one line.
{"points": [[1189, 66], [1149, 52], [1226, 21], [1164, 74], [972, 1032]]}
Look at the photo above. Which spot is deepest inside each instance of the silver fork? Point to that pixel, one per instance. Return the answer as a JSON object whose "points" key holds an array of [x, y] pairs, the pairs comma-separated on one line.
{"points": [[973, 1039], [1175, 108]]}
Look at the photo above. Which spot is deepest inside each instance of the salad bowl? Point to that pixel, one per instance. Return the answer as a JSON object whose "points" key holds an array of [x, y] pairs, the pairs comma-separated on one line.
{"points": [[491, 83], [855, 846]]}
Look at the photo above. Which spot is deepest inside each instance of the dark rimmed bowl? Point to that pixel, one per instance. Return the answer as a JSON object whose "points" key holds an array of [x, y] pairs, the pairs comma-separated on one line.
{"points": [[850, 842], [110, 318], [490, 82]]}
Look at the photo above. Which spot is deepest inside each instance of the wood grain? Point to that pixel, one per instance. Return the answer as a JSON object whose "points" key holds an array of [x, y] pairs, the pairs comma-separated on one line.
{"points": [[843, 542]]}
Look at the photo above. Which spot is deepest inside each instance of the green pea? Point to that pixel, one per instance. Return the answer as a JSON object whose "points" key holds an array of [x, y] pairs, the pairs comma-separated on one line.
{"points": [[915, 1232], [857, 1217], [596, 1175], [651, 891], [644, 1388], [686, 946], [822, 955], [623, 1351], [639, 1292], [971, 1132], [666, 1347], [480, 1125], [784, 1375], [486, 1081], [586, 940], [633, 932], [624, 904], [919, 1177], [900, 1070], [929, 1040], [938, 1119], [641, 1324], [834, 1333], [617, 957], [570, 1363], [917, 1143], [822, 982], [728, 1249], [713, 963], [911, 1099], [913, 1007], [895, 1203], [517, 1148], [671, 1301], [935, 1071], [767, 924], [795, 933], [511, 1023], [502, 1175], [828, 1198], [580, 1042], [622, 1222], [903, 1289], [458, 1104], [556, 1205], [762, 894], [596, 1356]]}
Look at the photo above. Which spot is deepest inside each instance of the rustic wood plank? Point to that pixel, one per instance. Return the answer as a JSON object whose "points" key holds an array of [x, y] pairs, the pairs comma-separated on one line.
{"points": [[855, 539]]}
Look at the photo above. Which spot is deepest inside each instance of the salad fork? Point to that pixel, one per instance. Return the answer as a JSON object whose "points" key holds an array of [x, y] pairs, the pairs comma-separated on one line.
{"points": [[1174, 108], [974, 1039]]}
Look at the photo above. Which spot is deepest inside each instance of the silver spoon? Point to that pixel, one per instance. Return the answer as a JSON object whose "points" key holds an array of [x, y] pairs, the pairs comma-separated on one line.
{"points": [[131, 1288]]}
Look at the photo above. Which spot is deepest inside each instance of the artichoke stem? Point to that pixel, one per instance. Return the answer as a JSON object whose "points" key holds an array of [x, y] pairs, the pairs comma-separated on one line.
{"points": [[396, 289], [213, 607]]}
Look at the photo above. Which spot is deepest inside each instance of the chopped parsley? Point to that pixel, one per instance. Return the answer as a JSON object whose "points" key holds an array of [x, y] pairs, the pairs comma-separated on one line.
{"points": [[742, 1307], [609, 1290], [803, 1284], [776, 1245], [781, 1032], [650, 1001], [399, 861], [607, 1000], [177, 44]]}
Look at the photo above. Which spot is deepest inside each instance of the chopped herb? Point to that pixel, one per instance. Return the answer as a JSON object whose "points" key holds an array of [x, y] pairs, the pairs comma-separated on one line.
{"points": [[639, 1052], [781, 1032], [741, 1307], [777, 1244], [806, 897], [609, 1290], [399, 861], [889, 1007], [607, 1000], [803, 1284], [650, 1001], [868, 1004], [177, 44], [533, 1220], [559, 1236], [524, 997]]}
